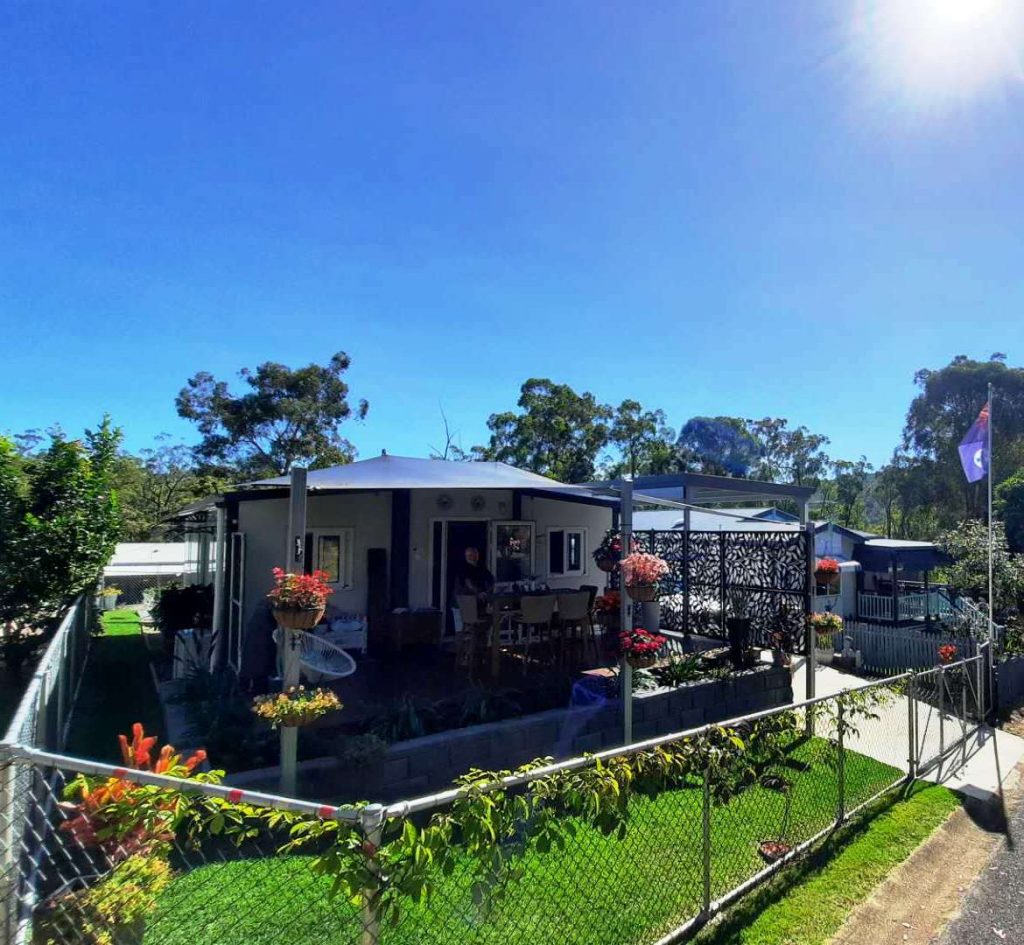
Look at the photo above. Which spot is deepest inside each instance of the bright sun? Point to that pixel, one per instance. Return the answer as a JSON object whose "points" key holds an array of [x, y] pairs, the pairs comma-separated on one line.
{"points": [[934, 54]]}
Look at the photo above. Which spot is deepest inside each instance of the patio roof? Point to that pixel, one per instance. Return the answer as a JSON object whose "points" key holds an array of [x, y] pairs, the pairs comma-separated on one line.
{"points": [[407, 472], [697, 488], [879, 554]]}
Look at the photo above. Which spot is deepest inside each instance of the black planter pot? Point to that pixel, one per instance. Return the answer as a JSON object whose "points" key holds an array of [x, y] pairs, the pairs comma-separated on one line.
{"points": [[739, 638]]}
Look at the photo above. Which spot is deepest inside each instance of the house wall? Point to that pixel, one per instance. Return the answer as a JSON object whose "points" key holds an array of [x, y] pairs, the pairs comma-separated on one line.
{"points": [[549, 514], [265, 524]]}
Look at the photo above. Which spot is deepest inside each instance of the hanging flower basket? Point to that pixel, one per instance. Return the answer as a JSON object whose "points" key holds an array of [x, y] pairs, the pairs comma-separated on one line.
{"points": [[297, 706], [773, 850], [643, 593], [826, 570], [607, 564], [641, 662], [293, 618], [299, 600]]}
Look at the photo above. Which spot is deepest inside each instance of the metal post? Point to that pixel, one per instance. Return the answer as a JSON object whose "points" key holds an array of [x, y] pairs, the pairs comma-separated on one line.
{"points": [[963, 714], [991, 617], [8, 854], [371, 822], [912, 728], [942, 716], [840, 762], [296, 548], [625, 619], [295, 552], [219, 641], [706, 835]]}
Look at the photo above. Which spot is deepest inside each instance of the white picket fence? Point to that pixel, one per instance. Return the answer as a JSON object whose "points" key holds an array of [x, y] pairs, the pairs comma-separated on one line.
{"points": [[895, 649]]}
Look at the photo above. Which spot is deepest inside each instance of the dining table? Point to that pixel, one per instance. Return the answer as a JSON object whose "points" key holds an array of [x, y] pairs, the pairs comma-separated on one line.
{"points": [[503, 604]]}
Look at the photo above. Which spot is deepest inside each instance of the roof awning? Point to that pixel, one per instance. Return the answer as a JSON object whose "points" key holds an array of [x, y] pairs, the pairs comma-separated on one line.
{"points": [[879, 554]]}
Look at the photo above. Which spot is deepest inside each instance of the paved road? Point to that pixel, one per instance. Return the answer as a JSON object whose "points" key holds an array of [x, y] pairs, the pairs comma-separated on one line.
{"points": [[993, 910]]}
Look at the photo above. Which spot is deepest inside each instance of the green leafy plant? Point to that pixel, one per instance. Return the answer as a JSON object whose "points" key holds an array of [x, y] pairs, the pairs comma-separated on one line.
{"points": [[110, 912], [679, 669], [295, 706]]}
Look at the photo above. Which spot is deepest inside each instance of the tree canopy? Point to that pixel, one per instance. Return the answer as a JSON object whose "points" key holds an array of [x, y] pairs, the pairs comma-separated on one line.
{"points": [[286, 417], [555, 432]]}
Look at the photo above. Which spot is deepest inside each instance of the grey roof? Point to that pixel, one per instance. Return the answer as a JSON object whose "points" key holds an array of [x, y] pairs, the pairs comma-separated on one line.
{"points": [[406, 472], [700, 488]]}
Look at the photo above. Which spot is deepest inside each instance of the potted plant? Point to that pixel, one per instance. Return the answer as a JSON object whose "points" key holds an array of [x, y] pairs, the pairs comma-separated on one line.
{"points": [[738, 625], [826, 571], [640, 647], [109, 595], [299, 600], [826, 626], [607, 554], [641, 573], [296, 706], [608, 609]]}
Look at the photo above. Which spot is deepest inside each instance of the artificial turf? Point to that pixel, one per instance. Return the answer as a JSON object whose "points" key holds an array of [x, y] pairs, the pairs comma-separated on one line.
{"points": [[117, 690], [597, 891]]}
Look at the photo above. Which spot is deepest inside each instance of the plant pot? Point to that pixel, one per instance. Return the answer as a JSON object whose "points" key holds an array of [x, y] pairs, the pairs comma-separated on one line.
{"points": [[606, 564], [644, 593], [642, 662], [294, 618], [823, 656], [612, 623], [773, 850]]}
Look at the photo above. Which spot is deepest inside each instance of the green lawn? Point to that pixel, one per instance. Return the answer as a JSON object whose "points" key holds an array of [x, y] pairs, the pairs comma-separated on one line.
{"points": [[807, 904], [598, 891], [117, 690]]}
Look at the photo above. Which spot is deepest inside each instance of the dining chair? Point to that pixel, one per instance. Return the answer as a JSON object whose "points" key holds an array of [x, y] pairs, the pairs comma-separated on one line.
{"points": [[474, 622], [574, 616], [534, 620]]}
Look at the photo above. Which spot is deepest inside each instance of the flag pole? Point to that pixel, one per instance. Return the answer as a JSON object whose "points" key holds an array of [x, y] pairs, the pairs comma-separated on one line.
{"points": [[991, 623]]}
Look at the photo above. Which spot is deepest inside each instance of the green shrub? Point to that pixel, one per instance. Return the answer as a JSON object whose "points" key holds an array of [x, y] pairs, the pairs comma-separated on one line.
{"points": [[113, 910]]}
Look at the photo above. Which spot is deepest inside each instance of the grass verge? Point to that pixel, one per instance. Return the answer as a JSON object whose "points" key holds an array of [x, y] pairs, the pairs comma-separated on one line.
{"points": [[117, 690], [807, 904], [597, 891]]}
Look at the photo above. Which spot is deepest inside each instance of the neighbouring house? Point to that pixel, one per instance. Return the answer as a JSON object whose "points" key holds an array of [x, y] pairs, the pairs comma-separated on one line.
{"points": [[138, 566], [881, 580]]}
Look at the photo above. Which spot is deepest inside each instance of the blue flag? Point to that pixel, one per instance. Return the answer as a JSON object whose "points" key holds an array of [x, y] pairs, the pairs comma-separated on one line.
{"points": [[974, 448]]}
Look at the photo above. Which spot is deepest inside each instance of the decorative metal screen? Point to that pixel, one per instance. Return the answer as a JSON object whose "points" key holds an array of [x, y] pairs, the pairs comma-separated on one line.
{"points": [[771, 571]]}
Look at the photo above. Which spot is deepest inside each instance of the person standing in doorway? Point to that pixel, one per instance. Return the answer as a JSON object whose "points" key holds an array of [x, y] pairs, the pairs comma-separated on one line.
{"points": [[472, 577]]}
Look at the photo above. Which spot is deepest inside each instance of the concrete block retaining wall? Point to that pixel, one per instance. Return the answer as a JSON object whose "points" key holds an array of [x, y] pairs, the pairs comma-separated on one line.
{"points": [[427, 764]]}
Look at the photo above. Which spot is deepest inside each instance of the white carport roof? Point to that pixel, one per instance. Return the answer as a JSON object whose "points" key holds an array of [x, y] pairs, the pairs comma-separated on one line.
{"points": [[146, 558]]}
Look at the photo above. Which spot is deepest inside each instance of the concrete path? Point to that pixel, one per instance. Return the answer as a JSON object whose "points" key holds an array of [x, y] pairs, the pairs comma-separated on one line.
{"points": [[979, 772]]}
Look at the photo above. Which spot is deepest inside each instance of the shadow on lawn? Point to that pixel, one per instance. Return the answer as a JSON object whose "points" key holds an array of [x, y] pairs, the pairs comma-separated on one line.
{"points": [[734, 921]]}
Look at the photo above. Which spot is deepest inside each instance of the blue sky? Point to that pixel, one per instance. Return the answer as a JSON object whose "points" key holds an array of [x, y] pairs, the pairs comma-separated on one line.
{"points": [[712, 207]]}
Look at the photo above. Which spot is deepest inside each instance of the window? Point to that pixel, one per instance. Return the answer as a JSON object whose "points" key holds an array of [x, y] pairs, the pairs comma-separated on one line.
{"points": [[331, 551], [567, 551], [512, 551]]}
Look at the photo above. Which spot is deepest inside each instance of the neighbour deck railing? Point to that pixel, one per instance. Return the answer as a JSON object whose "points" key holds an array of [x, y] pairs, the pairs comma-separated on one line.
{"points": [[959, 612]]}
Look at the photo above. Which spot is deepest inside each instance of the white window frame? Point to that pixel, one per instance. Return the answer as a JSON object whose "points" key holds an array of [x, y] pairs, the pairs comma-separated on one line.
{"points": [[492, 542], [346, 537], [584, 533]]}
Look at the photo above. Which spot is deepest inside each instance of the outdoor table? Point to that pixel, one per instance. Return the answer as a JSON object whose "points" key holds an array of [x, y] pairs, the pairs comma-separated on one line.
{"points": [[504, 603]]}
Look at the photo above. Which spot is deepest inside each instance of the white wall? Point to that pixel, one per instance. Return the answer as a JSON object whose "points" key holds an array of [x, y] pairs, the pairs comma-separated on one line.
{"points": [[549, 514], [265, 523]]}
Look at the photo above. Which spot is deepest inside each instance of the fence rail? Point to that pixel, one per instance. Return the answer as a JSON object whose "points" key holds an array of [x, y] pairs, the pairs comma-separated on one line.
{"points": [[699, 831], [895, 649]]}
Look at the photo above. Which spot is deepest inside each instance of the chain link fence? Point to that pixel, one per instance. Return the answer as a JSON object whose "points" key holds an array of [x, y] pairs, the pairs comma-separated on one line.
{"points": [[634, 845]]}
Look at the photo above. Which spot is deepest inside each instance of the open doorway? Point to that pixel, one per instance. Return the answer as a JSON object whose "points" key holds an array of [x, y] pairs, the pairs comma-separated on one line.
{"points": [[451, 539]]}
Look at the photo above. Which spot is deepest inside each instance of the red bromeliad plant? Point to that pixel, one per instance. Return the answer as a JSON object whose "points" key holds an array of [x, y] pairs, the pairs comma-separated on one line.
{"points": [[122, 817], [947, 654], [640, 646], [299, 591]]}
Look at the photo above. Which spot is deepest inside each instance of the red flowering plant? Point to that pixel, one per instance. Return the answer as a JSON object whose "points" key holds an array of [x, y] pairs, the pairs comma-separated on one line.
{"points": [[643, 569], [610, 602], [122, 817], [947, 654], [610, 549], [826, 570], [299, 591], [640, 643]]}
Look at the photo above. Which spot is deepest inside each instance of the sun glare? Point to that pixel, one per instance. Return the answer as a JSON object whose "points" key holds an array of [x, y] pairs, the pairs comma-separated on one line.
{"points": [[936, 54]]}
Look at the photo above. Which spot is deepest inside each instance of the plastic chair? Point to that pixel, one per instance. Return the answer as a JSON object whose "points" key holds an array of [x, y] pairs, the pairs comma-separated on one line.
{"points": [[574, 614], [535, 613], [320, 658]]}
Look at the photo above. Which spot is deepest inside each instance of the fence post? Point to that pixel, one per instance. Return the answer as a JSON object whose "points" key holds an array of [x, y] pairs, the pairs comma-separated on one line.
{"points": [[912, 727], [706, 833], [964, 683], [840, 762], [371, 823], [942, 717], [8, 853]]}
